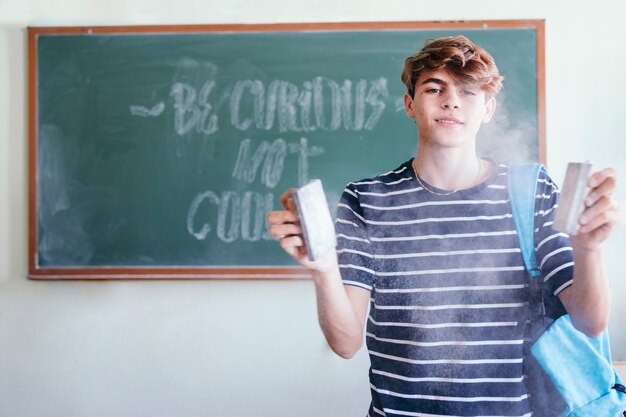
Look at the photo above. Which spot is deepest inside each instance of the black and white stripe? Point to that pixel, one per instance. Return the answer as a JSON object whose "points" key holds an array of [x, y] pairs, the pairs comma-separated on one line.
{"points": [[449, 292]]}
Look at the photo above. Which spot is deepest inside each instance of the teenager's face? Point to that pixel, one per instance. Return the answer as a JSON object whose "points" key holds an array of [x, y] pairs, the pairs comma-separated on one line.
{"points": [[447, 113]]}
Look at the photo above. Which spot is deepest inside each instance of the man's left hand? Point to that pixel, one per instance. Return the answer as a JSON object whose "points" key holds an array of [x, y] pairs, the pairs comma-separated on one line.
{"points": [[601, 211]]}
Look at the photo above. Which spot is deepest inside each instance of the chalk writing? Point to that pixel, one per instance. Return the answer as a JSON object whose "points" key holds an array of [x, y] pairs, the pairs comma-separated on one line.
{"points": [[319, 104], [248, 164], [142, 111], [192, 110], [233, 215], [271, 157], [304, 151], [305, 108]]}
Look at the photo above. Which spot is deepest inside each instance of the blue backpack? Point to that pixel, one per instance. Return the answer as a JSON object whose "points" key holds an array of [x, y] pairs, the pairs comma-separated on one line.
{"points": [[570, 374]]}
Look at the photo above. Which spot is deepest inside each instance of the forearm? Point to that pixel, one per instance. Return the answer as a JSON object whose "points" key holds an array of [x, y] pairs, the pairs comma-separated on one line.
{"points": [[588, 300], [341, 312], [339, 321]]}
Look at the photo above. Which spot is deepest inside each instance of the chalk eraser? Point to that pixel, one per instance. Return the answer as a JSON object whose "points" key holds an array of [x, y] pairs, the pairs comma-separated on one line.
{"points": [[573, 193], [315, 219]]}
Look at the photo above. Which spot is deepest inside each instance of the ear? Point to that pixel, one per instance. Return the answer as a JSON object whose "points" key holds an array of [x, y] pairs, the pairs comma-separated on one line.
{"points": [[408, 106], [490, 108]]}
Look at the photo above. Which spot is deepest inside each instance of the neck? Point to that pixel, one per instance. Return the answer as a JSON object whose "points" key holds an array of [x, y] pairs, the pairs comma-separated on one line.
{"points": [[451, 169]]}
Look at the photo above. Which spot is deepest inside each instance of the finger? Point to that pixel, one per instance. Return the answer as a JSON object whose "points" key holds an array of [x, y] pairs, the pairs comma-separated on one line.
{"points": [[301, 257], [279, 231], [605, 219], [294, 252], [291, 242], [604, 188], [286, 199], [603, 204], [604, 212], [282, 216], [599, 177]]}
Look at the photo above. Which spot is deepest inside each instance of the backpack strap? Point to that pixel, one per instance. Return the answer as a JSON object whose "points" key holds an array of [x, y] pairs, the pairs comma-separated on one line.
{"points": [[522, 186], [522, 180], [583, 393]]}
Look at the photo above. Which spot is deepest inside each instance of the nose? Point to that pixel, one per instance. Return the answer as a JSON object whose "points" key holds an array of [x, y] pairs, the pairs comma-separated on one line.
{"points": [[450, 100]]}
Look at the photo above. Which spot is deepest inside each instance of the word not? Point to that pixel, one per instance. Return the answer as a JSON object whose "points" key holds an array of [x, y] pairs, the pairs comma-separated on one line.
{"points": [[270, 160]]}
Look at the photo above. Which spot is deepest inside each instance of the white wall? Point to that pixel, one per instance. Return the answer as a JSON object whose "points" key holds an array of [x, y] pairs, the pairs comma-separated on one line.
{"points": [[249, 348]]}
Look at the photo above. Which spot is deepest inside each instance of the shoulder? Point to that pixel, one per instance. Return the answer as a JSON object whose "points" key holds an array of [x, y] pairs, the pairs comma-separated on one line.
{"points": [[546, 190], [546, 182], [359, 194], [397, 177]]}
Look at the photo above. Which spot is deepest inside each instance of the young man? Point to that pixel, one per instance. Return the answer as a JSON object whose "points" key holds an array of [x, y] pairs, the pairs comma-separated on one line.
{"points": [[431, 249]]}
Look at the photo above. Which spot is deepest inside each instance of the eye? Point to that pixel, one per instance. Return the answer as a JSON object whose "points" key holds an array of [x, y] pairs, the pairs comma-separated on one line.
{"points": [[468, 93], [433, 91]]}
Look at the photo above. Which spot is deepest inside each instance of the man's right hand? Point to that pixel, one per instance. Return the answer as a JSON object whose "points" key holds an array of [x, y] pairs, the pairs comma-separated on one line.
{"points": [[341, 309], [285, 227]]}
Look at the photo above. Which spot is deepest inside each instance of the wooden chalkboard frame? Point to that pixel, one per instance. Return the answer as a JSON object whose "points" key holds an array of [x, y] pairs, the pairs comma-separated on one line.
{"points": [[140, 273]]}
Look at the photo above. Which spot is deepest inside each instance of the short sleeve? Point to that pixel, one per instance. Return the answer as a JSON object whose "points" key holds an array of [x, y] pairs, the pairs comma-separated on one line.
{"points": [[353, 245], [553, 250]]}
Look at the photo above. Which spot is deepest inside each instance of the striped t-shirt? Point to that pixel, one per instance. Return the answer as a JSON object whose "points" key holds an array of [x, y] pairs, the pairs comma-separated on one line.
{"points": [[449, 292]]}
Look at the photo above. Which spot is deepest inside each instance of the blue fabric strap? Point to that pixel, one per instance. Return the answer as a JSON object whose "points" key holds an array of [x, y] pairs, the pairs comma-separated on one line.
{"points": [[522, 181]]}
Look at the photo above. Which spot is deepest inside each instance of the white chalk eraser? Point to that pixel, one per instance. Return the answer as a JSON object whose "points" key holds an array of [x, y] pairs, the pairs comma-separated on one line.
{"points": [[571, 201], [315, 219]]}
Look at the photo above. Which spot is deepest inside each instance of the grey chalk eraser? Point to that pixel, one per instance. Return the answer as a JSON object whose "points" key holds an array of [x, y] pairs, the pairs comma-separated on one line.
{"points": [[571, 201], [315, 219]]}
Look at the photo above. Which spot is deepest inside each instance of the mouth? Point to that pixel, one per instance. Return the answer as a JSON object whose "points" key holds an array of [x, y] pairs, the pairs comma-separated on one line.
{"points": [[449, 121]]}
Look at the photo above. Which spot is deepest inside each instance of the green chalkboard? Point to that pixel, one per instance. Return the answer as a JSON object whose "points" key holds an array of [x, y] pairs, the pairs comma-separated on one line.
{"points": [[158, 151]]}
